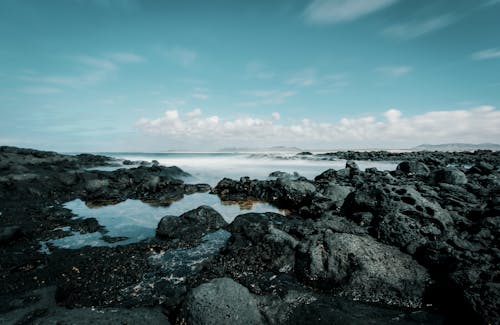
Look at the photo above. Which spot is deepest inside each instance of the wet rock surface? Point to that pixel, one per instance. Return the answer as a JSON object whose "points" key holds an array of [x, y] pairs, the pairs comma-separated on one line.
{"points": [[419, 244], [191, 225]]}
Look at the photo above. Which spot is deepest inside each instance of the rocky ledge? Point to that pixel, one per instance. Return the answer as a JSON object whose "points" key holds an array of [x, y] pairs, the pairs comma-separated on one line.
{"points": [[416, 245]]}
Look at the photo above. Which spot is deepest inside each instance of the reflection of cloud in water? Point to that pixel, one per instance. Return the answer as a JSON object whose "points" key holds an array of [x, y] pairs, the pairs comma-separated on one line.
{"points": [[137, 220]]}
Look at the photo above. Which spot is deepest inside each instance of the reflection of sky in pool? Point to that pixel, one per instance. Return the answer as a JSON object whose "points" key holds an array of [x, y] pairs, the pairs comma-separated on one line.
{"points": [[137, 220]]}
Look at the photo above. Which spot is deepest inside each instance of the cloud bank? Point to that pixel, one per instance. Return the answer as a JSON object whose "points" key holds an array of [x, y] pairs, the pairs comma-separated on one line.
{"points": [[391, 130], [337, 11]]}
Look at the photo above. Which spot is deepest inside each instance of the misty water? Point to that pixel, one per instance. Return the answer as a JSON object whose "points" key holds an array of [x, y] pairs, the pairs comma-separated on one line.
{"points": [[136, 221], [212, 167]]}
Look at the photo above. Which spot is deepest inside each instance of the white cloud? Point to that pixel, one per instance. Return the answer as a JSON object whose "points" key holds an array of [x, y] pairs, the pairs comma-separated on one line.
{"points": [[259, 71], [487, 54], [126, 57], [96, 62], [393, 129], [182, 56], [304, 78], [93, 70], [200, 96], [395, 71], [413, 29], [40, 90], [336, 11], [266, 97], [195, 113]]}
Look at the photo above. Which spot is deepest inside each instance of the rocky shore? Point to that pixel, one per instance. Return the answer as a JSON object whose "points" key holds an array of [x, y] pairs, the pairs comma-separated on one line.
{"points": [[418, 245]]}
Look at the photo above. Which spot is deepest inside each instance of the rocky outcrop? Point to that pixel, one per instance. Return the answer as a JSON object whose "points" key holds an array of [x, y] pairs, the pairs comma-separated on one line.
{"points": [[362, 268], [425, 234], [191, 225]]}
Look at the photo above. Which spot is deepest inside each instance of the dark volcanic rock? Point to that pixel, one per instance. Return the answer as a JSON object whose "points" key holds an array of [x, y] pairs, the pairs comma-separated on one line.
{"points": [[374, 236], [220, 301], [284, 192], [414, 168], [191, 225], [449, 175], [362, 268], [9, 233]]}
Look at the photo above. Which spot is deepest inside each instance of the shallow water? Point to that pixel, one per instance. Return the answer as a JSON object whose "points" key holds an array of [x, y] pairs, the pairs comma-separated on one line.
{"points": [[138, 220]]}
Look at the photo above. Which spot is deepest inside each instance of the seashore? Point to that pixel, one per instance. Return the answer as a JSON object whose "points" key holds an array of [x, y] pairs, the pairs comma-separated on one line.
{"points": [[419, 244]]}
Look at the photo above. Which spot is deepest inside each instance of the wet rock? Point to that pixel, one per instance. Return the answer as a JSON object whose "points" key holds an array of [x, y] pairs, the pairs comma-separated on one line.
{"points": [[336, 193], [262, 241], [220, 301], [279, 174], [326, 176], [299, 307], [293, 193], [449, 175], [362, 268], [414, 168], [412, 220], [191, 225], [9, 233], [482, 168], [351, 164]]}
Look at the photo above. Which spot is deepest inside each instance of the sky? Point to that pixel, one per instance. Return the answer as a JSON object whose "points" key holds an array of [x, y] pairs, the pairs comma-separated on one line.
{"points": [[131, 75]]}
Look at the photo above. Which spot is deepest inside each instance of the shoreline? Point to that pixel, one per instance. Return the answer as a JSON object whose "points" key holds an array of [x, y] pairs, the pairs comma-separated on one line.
{"points": [[383, 243]]}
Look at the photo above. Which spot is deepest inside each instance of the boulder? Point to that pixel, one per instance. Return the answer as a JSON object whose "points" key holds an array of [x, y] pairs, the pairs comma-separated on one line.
{"points": [[351, 164], [293, 193], [449, 175], [191, 225], [416, 168], [362, 268], [220, 301], [9, 233]]}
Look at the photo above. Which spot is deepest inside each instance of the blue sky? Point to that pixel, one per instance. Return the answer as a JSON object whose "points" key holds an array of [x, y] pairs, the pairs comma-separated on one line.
{"points": [[125, 75]]}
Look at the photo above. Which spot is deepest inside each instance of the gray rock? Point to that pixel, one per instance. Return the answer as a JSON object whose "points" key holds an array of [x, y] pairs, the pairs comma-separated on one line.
{"points": [[449, 175], [220, 301], [414, 168], [351, 164], [191, 225], [362, 268], [336, 193], [294, 193]]}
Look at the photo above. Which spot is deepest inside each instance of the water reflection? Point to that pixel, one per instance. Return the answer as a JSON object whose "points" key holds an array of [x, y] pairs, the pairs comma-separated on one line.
{"points": [[137, 220]]}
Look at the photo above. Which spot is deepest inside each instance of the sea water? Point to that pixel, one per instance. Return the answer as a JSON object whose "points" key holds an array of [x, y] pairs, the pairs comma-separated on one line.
{"points": [[212, 167]]}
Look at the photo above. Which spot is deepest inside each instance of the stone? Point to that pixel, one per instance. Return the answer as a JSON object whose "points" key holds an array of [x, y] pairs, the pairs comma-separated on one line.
{"points": [[220, 301], [449, 175], [191, 225], [362, 268], [416, 168]]}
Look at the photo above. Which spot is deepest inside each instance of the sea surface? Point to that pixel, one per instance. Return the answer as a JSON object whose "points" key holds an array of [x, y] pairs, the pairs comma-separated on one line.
{"points": [[136, 221], [212, 167]]}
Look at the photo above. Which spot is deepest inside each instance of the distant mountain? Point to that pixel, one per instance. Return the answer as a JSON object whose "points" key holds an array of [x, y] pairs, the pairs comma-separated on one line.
{"points": [[457, 147], [270, 149]]}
